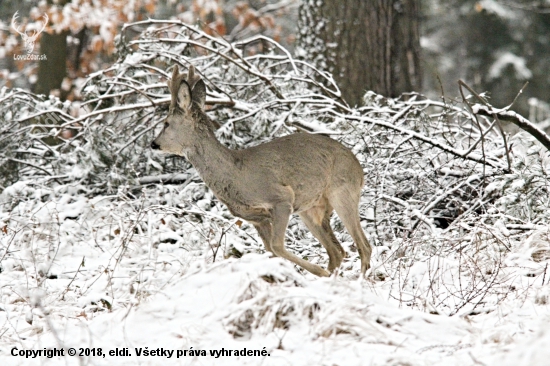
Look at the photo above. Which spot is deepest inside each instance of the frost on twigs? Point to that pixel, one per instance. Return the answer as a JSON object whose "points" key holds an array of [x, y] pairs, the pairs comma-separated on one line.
{"points": [[458, 215]]}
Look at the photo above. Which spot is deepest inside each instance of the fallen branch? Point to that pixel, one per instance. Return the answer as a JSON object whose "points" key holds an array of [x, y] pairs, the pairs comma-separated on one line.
{"points": [[516, 119]]}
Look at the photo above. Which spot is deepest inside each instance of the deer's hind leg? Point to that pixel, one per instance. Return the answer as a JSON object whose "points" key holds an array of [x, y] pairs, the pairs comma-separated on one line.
{"points": [[345, 201], [317, 220]]}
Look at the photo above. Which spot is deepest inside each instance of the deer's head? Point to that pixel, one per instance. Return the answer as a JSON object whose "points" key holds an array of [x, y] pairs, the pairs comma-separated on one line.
{"points": [[29, 39], [188, 93]]}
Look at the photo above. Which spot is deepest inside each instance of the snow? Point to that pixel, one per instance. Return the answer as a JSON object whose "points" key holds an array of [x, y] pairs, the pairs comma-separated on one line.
{"points": [[507, 58], [328, 320], [500, 10], [133, 59], [74, 287]]}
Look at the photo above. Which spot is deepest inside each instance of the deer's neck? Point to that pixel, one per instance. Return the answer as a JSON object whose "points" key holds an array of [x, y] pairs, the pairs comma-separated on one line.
{"points": [[215, 163]]}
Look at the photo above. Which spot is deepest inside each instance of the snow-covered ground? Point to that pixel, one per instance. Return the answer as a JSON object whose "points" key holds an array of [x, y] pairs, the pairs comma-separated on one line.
{"points": [[114, 274]]}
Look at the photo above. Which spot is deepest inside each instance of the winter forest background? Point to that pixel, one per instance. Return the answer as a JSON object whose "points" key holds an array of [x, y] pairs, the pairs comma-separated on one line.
{"points": [[105, 244]]}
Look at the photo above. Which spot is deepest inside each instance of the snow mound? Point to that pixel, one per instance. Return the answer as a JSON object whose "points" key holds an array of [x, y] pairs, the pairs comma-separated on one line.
{"points": [[262, 303]]}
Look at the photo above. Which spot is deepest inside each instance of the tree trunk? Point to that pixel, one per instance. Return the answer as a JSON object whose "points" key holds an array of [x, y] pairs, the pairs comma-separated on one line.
{"points": [[366, 45], [53, 69]]}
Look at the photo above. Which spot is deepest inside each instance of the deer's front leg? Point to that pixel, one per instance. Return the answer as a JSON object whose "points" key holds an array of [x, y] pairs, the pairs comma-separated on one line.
{"points": [[265, 231]]}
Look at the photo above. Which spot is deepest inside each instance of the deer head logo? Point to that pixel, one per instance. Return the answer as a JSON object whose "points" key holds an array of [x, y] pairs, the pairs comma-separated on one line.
{"points": [[29, 40]]}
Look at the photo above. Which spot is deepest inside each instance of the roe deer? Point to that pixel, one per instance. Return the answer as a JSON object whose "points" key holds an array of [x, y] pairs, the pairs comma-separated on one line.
{"points": [[301, 173]]}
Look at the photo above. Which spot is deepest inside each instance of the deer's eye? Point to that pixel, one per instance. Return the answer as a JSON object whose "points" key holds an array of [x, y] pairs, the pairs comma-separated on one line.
{"points": [[166, 124]]}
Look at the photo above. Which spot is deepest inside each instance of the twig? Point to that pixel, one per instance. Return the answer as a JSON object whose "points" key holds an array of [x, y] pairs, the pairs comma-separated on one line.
{"points": [[75, 274]]}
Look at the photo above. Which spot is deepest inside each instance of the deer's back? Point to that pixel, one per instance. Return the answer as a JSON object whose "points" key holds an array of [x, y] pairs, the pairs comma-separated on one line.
{"points": [[309, 165]]}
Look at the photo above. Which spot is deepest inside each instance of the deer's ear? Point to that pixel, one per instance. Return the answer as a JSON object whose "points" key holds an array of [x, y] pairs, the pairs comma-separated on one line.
{"points": [[199, 93], [184, 95], [175, 72]]}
